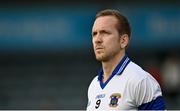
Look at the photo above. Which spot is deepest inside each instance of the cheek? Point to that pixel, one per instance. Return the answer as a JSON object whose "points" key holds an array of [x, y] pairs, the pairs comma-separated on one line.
{"points": [[113, 45], [93, 43]]}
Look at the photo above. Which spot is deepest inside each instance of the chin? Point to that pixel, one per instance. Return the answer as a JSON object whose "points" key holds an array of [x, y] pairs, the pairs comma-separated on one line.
{"points": [[101, 58]]}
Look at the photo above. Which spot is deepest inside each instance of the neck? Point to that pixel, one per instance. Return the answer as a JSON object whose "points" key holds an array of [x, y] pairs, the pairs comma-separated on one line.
{"points": [[109, 66]]}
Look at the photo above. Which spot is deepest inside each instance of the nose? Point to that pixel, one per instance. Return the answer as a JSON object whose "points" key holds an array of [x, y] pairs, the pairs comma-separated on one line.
{"points": [[98, 39]]}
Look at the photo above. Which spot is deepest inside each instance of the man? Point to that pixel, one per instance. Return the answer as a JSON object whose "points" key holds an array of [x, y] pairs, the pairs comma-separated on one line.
{"points": [[121, 84]]}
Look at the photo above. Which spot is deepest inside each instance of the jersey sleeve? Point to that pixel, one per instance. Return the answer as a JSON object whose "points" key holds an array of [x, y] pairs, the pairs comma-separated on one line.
{"points": [[148, 95]]}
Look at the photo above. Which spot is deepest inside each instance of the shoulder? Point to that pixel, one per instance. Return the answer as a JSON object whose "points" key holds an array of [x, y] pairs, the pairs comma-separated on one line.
{"points": [[142, 85], [94, 80], [137, 74], [93, 83], [137, 77]]}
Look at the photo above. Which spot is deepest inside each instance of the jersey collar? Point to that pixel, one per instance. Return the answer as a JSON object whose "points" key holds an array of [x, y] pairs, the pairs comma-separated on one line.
{"points": [[117, 71]]}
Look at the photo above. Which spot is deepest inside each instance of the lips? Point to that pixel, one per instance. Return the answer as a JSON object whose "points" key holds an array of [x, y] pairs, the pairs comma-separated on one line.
{"points": [[98, 48]]}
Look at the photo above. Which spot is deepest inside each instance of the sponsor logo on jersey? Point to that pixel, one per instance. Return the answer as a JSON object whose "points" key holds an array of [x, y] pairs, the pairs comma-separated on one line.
{"points": [[114, 99], [100, 96]]}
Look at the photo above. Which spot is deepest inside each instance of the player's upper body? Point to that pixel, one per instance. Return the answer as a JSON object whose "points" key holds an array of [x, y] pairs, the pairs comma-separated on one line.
{"points": [[128, 88], [121, 84]]}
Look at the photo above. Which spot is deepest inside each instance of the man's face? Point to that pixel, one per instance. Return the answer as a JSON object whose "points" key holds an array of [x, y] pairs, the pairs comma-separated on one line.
{"points": [[105, 38]]}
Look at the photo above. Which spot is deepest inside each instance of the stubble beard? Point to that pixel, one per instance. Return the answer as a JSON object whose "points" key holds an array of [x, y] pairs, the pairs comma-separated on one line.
{"points": [[102, 57]]}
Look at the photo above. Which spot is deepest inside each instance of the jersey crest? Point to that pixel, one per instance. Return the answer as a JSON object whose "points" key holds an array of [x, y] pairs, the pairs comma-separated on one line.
{"points": [[114, 99]]}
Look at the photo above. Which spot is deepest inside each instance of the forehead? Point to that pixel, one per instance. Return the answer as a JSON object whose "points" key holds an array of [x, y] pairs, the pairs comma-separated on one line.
{"points": [[105, 22]]}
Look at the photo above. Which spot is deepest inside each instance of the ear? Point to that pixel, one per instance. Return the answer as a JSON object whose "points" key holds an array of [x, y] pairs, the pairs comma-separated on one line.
{"points": [[124, 40]]}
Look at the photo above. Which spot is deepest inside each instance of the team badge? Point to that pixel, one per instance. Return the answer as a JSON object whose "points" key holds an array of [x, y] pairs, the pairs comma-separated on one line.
{"points": [[114, 99]]}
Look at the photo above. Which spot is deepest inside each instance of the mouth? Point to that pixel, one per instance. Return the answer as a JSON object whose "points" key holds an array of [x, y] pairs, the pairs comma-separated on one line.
{"points": [[98, 48]]}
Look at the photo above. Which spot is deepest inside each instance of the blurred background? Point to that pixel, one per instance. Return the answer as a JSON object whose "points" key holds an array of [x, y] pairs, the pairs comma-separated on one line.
{"points": [[46, 55]]}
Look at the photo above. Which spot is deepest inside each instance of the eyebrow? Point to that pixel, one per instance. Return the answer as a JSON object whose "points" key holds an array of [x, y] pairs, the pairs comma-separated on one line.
{"points": [[101, 31]]}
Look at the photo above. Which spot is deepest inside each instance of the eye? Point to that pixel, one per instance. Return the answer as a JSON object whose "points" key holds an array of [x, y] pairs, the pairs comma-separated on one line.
{"points": [[105, 32], [94, 34]]}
